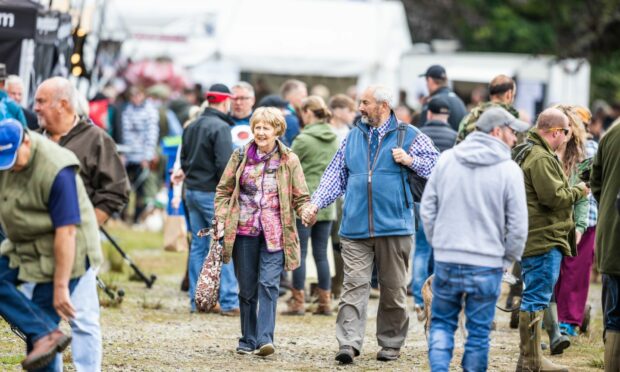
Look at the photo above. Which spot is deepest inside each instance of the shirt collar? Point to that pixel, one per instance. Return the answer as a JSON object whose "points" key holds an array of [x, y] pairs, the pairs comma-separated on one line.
{"points": [[383, 128]]}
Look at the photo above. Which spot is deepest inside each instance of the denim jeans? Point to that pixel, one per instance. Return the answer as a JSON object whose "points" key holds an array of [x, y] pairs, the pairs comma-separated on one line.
{"points": [[201, 207], [422, 264], [611, 302], [258, 272], [86, 348], [476, 288], [320, 236], [34, 318], [540, 273]]}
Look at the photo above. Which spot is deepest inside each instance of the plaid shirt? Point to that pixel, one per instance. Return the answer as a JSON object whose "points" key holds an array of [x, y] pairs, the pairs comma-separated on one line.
{"points": [[591, 149], [334, 180]]}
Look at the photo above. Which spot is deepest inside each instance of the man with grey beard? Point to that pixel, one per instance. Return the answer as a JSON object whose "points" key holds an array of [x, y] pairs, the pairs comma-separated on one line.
{"points": [[378, 221]]}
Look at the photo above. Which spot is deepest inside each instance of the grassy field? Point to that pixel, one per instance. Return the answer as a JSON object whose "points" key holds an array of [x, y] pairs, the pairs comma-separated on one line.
{"points": [[152, 330]]}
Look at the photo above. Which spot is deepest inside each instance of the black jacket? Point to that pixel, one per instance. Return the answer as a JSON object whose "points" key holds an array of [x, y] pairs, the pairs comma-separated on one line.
{"points": [[207, 146], [457, 107], [441, 133]]}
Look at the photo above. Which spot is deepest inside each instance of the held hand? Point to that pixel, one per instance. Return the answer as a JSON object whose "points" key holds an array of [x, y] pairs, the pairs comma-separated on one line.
{"points": [[177, 177], [401, 157], [62, 303], [309, 214]]}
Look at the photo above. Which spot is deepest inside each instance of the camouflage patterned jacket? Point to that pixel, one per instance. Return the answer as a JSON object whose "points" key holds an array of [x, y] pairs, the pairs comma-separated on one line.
{"points": [[468, 124], [292, 192]]}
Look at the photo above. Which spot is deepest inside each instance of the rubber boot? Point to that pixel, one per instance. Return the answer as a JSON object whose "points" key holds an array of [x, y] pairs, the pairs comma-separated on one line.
{"points": [[612, 351], [557, 341], [339, 277], [325, 303], [296, 303], [530, 356]]}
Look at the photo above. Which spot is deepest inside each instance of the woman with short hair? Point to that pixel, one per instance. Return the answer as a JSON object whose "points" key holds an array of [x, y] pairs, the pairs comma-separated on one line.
{"points": [[256, 199]]}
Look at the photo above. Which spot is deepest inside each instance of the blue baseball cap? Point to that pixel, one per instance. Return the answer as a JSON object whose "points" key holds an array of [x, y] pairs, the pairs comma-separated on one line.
{"points": [[11, 136]]}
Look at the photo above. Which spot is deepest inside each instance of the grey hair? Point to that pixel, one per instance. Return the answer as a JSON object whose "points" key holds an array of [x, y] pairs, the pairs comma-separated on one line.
{"points": [[64, 89], [245, 85], [14, 79], [382, 94]]}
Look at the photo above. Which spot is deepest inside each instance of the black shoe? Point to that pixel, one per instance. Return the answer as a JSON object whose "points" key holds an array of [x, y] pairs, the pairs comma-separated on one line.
{"points": [[387, 353], [346, 354], [244, 350]]}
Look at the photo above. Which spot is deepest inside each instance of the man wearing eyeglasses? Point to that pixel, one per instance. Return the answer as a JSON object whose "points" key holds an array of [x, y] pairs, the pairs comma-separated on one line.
{"points": [[551, 232], [241, 109]]}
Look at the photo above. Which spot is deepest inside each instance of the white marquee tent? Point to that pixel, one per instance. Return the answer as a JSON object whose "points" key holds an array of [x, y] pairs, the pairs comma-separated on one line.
{"points": [[338, 38]]}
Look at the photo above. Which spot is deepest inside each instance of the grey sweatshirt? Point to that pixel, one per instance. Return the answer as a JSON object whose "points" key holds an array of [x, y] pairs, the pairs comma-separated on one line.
{"points": [[474, 208]]}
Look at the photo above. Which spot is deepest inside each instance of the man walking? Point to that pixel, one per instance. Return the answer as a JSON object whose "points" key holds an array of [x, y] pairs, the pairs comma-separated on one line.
{"points": [[207, 146], [502, 93], [242, 102], [439, 131], [377, 221], [550, 203], [44, 205], [437, 84], [605, 181], [472, 249], [107, 187]]}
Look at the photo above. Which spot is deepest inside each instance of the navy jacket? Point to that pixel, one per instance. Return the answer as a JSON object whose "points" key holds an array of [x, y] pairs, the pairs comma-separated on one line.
{"points": [[441, 133]]}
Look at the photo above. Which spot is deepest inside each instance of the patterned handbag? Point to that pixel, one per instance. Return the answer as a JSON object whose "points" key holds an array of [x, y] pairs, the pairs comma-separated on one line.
{"points": [[208, 285]]}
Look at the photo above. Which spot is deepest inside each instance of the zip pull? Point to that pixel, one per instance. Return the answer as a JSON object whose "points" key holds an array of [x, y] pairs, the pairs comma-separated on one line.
{"points": [[370, 176]]}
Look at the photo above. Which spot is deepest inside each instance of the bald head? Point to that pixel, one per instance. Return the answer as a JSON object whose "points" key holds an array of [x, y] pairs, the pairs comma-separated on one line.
{"points": [[55, 105], [553, 125], [551, 118]]}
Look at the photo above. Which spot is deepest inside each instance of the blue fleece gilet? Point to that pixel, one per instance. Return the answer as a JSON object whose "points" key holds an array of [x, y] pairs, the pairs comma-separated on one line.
{"points": [[374, 203]]}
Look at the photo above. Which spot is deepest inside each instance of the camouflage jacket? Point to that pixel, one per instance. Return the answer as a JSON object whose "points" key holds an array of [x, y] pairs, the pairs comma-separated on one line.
{"points": [[292, 193], [468, 124]]}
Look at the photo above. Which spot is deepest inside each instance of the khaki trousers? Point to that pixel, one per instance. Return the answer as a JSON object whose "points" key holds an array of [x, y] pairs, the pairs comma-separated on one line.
{"points": [[392, 257]]}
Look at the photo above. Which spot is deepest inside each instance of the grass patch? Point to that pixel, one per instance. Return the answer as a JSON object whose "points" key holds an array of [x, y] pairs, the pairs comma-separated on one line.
{"points": [[11, 359]]}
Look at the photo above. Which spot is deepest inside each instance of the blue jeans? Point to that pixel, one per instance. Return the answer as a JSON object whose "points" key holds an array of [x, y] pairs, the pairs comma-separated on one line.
{"points": [[320, 235], [258, 272], [611, 302], [201, 207], [475, 287], [422, 264], [540, 273], [34, 318]]}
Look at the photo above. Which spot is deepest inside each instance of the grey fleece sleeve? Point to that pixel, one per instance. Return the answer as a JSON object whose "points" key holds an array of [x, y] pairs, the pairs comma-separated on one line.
{"points": [[428, 207], [515, 205]]}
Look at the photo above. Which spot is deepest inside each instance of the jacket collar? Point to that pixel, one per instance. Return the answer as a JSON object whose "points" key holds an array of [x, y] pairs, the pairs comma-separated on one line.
{"points": [[282, 149], [533, 136], [213, 112]]}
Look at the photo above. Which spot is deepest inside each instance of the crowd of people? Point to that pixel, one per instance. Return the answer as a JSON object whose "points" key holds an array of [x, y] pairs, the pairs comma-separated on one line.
{"points": [[464, 196]]}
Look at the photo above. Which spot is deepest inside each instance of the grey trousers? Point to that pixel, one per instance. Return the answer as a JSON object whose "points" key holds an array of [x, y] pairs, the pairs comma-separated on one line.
{"points": [[392, 256]]}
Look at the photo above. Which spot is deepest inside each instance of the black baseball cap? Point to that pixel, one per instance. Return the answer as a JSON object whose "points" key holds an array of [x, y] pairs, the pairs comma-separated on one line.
{"points": [[218, 93], [439, 106], [435, 72]]}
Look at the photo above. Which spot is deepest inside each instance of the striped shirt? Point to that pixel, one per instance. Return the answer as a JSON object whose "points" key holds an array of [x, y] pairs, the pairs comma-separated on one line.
{"points": [[140, 132], [334, 181]]}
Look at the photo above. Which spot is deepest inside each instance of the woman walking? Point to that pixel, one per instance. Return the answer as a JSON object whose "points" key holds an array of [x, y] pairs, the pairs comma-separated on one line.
{"points": [[315, 146], [255, 203], [571, 290]]}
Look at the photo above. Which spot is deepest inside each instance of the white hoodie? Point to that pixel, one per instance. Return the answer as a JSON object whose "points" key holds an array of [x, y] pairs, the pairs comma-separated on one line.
{"points": [[474, 207]]}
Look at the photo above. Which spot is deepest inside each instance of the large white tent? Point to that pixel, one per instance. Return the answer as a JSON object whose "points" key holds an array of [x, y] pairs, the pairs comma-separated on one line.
{"points": [[338, 38]]}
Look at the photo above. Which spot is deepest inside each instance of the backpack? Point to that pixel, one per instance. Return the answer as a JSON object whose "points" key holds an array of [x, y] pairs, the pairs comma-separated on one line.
{"points": [[416, 182]]}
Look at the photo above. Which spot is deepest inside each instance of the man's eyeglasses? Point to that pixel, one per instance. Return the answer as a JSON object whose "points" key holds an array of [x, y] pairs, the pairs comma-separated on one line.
{"points": [[565, 130]]}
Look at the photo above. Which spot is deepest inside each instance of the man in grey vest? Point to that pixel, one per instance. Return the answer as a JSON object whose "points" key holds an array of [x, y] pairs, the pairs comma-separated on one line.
{"points": [[52, 238]]}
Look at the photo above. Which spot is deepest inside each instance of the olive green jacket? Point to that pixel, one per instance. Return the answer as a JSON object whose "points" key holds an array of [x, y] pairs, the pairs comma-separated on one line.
{"points": [[315, 146], [605, 182], [25, 218], [550, 200]]}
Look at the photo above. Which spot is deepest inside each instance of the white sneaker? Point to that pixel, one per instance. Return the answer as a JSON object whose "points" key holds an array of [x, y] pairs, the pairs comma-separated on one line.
{"points": [[265, 350], [420, 313]]}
